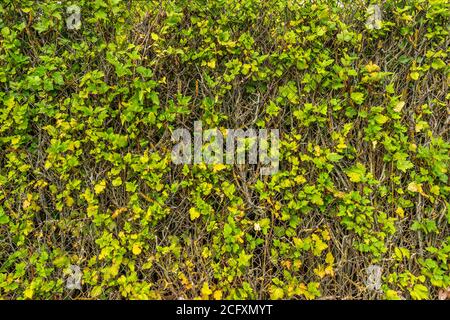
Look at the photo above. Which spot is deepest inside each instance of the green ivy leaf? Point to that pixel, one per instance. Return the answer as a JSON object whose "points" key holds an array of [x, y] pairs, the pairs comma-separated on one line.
{"points": [[4, 219]]}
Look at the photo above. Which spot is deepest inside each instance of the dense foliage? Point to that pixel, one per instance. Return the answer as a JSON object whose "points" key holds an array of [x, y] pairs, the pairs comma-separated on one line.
{"points": [[86, 177]]}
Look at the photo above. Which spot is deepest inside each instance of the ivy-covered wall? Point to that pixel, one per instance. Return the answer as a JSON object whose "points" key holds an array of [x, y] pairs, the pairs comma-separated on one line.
{"points": [[91, 205]]}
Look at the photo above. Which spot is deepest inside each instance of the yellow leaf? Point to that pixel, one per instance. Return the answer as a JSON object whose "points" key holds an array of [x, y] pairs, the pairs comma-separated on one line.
{"points": [[206, 291], [48, 165], [421, 125], [69, 201], [117, 212], [28, 293], [326, 235], [194, 213], [400, 212], [96, 291], [355, 177], [302, 289], [300, 179], [15, 141], [276, 293], [212, 64], [329, 271], [317, 151], [184, 281], [320, 271], [287, 264], [26, 204], [414, 75], [392, 295], [218, 167], [329, 258], [414, 187], [99, 187], [218, 294], [371, 67], [399, 106], [154, 36], [136, 249]]}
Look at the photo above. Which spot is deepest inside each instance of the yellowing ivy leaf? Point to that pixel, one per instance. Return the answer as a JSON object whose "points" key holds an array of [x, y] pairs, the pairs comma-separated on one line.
{"points": [[414, 75], [399, 106], [371, 67], [392, 295], [28, 293], [117, 212], [96, 291], [217, 294], [276, 293], [136, 249], [212, 64], [329, 258], [194, 213], [320, 271], [416, 187], [419, 292], [400, 212], [420, 125], [218, 167], [356, 173], [154, 36], [206, 291], [26, 203], [69, 201]]}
